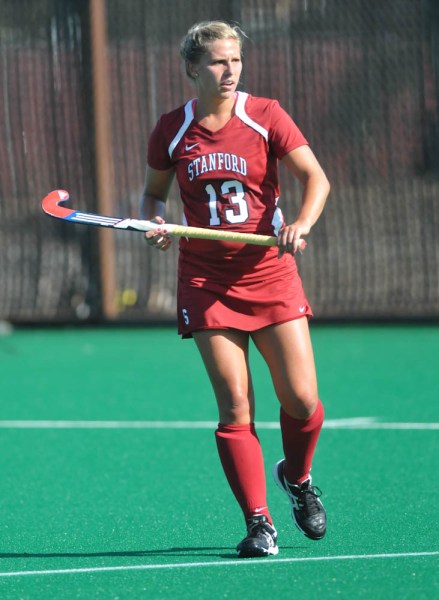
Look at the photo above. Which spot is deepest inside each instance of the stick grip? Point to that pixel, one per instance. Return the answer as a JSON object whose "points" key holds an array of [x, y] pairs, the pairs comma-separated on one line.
{"points": [[213, 234], [221, 235]]}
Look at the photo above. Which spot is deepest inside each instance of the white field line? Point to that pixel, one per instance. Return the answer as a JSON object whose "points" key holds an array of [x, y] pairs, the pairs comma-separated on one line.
{"points": [[353, 423], [217, 563]]}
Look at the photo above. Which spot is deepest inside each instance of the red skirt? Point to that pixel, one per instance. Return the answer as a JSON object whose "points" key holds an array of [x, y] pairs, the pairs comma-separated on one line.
{"points": [[244, 305]]}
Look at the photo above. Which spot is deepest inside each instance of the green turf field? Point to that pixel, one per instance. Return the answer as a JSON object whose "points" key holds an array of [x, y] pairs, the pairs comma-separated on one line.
{"points": [[112, 488]]}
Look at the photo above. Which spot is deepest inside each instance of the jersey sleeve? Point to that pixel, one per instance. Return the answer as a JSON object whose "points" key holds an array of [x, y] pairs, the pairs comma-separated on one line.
{"points": [[284, 133], [158, 157]]}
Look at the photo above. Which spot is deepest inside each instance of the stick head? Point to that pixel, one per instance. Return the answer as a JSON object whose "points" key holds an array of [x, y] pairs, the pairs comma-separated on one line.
{"points": [[52, 200]]}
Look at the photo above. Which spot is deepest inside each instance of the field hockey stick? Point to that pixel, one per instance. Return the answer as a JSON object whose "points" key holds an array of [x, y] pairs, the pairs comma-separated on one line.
{"points": [[51, 202]]}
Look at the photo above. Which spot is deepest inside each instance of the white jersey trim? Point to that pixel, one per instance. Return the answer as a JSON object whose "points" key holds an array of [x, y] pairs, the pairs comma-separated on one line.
{"points": [[188, 116], [239, 111], [277, 221], [241, 114]]}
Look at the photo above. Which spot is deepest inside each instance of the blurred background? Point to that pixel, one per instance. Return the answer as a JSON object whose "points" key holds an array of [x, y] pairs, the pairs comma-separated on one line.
{"points": [[83, 83]]}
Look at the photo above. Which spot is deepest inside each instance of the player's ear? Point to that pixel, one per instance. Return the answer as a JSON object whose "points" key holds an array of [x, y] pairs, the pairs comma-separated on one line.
{"points": [[191, 70]]}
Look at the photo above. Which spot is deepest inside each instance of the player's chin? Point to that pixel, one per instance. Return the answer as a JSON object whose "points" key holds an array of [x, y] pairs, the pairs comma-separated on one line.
{"points": [[227, 91]]}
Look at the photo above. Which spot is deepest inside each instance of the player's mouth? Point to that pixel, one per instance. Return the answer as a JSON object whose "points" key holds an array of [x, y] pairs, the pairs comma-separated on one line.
{"points": [[228, 84]]}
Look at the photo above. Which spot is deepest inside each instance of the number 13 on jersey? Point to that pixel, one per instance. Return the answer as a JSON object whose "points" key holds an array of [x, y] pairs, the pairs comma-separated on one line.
{"points": [[239, 212]]}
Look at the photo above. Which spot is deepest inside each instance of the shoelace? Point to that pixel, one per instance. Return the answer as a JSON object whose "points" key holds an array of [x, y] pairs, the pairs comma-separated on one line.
{"points": [[263, 528], [308, 499]]}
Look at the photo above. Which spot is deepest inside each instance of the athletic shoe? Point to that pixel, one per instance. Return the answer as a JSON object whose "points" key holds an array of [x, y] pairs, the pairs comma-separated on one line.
{"points": [[307, 510], [261, 538]]}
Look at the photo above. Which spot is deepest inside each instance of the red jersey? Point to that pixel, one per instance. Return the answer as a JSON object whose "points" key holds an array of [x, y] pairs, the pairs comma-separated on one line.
{"points": [[228, 179]]}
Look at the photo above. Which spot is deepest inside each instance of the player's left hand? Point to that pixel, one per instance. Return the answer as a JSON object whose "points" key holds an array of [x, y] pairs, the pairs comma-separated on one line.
{"points": [[288, 239]]}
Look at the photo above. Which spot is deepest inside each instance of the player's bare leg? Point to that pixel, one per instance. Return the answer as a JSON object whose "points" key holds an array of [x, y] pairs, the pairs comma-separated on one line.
{"points": [[225, 356]]}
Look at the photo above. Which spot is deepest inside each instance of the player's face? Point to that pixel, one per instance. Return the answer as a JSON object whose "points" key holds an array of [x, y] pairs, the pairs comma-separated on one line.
{"points": [[219, 69]]}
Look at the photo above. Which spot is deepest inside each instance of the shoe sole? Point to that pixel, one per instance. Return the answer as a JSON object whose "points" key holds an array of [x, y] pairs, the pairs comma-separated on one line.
{"points": [[281, 487]]}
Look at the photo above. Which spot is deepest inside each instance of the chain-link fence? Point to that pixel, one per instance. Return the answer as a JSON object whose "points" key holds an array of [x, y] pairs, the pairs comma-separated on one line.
{"points": [[360, 79]]}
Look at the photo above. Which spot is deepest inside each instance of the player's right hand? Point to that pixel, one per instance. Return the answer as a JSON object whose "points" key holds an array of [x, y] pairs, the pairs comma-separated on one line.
{"points": [[159, 238]]}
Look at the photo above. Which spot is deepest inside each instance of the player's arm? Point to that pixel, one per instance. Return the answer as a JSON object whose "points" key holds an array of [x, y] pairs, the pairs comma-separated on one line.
{"points": [[303, 164], [152, 203]]}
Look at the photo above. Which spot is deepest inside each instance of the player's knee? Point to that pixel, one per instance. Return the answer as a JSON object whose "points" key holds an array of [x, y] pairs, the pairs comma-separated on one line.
{"points": [[302, 403], [235, 408]]}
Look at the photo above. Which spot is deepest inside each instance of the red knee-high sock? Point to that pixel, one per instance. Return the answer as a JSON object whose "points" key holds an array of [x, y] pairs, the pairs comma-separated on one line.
{"points": [[299, 438], [241, 457]]}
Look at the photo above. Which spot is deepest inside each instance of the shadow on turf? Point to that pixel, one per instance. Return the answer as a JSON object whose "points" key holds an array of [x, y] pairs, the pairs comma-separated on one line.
{"points": [[168, 551], [202, 551]]}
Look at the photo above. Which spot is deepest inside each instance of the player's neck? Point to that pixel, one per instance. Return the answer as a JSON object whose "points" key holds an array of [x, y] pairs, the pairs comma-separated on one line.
{"points": [[214, 113], [215, 107]]}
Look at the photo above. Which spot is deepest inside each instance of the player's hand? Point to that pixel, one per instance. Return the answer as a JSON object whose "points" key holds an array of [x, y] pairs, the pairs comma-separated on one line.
{"points": [[159, 238], [288, 239]]}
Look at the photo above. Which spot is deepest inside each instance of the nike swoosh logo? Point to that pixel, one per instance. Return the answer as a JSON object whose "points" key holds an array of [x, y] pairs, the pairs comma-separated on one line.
{"points": [[190, 147], [302, 309]]}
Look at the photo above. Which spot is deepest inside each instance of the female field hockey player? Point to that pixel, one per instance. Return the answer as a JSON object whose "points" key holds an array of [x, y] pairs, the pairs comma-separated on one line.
{"points": [[224, 147]]}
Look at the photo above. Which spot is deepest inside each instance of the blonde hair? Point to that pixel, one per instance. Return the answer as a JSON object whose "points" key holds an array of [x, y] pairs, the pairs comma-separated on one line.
{"points": [[196, 41]]}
